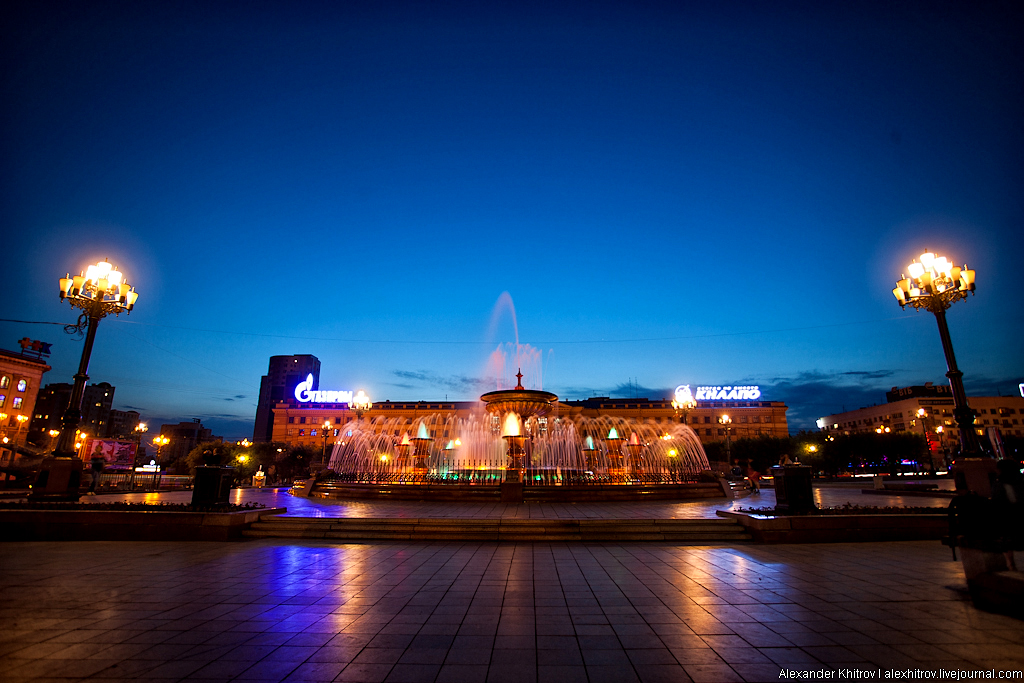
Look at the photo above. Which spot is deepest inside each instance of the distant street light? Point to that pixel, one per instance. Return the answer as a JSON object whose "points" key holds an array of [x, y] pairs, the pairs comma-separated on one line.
{"points": [[360, 403], [22, 419], [683, 402], [160, 442], [726, 422], [99, 291], [325, 429], [935, 284]]}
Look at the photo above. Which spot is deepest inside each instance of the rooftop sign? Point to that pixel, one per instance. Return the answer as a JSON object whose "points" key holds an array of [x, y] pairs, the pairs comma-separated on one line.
{"points": [[728, 393], [304, 394]]}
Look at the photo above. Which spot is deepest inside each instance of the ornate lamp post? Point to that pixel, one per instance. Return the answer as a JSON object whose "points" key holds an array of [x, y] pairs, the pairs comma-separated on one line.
{"points": [[683, 402], [22, 419], [935, 284], [160, 442], [140, 429], [99, 291], [360, 404], [726, 422], [325, 428]]}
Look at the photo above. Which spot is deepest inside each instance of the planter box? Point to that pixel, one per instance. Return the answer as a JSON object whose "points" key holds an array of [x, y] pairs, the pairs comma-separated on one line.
{"points": [[124, 525], [842, 528]]}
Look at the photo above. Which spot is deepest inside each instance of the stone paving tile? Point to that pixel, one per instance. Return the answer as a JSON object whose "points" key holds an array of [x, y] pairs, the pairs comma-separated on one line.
{"points": [[449, 612]]}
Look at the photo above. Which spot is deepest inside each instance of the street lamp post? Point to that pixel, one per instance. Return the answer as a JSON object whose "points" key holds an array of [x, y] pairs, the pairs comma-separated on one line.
{"points": [[683, 402], [160, 442], [726, 422], [22, 419], [935, 284], [99, 291], [140, 429], [325, 428]]}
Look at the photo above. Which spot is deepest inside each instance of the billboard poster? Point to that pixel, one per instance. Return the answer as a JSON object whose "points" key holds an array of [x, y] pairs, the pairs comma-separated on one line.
{"points": [[118, 454]]}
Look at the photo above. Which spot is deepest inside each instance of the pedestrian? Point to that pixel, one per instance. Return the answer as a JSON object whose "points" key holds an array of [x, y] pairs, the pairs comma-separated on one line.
{"points": [[785, 460], [96, 465], [755, 480]]}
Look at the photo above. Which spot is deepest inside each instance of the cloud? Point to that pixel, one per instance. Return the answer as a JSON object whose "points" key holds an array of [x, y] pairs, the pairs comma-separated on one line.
{"points": [[813, 394], [455, 383], [872, 374], [628, 389], [408, 374]]}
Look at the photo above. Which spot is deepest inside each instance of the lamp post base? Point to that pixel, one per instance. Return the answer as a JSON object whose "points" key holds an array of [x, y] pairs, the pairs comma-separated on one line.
{"points": [[59, 479], [511, 492], [974, 475]]}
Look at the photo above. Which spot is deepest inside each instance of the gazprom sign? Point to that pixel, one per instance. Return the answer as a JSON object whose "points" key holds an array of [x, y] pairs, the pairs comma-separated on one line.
{"points": [[305, 394], [728, 393]]}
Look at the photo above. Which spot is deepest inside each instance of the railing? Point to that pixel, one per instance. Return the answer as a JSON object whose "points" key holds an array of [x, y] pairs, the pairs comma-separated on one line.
{"points": [[127, 482], [495, 477]]}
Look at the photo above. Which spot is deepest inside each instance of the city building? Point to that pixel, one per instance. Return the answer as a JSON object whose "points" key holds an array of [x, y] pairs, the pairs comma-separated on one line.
{"points": [[121, 424], [928, 410], [183, 437], [53, 402], [284, 373], [21, 376], [298, 422]]}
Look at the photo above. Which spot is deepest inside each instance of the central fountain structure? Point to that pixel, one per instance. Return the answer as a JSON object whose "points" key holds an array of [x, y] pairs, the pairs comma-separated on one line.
{"points": [[521, 445], [516, 405]]}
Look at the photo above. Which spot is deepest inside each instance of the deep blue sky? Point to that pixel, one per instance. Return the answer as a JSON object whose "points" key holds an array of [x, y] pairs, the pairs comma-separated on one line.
{"points": [[704, 193]]}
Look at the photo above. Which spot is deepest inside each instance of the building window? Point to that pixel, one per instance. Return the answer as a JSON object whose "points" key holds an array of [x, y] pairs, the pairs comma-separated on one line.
{"points": [[302, 420], [337, 421], [291, 420], [707, 432], [302, 432], [312, 432], [18, 399], [3, 400], [707, 421], [5, 381], [22, 385]]}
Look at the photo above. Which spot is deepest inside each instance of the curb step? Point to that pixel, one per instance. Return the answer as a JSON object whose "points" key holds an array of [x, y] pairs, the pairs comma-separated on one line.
{"points": [[516, 530]]}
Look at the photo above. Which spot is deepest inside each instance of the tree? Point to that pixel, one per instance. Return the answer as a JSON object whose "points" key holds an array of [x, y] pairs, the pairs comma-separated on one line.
{"points": [[761, 452]]}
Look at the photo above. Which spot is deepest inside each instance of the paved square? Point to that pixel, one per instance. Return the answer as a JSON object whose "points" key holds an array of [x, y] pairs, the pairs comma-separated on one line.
{"points": [[460, 612]]}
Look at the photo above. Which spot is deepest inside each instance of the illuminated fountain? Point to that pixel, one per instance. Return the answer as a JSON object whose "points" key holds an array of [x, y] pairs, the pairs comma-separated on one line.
{"points": [[519, 445], [521, 442]]}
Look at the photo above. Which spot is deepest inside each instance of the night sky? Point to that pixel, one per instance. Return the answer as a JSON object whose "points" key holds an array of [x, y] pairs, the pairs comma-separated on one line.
{"points": [[702, 193]]}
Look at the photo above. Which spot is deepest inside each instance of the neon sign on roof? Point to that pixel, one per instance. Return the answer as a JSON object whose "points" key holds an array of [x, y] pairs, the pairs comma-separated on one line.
{"points": [[728, 393], [305, 394]]}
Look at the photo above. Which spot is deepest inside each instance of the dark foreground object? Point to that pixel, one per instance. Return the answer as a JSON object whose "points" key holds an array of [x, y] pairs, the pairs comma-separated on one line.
{"points": [[116, 525], [58, 479], [212, 485], [841, 528], [793, 494]]}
